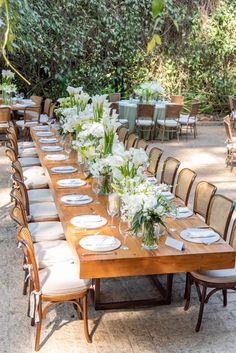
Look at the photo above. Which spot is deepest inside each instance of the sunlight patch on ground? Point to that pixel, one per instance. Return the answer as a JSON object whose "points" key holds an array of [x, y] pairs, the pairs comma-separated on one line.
{"points": [[204, 158]]}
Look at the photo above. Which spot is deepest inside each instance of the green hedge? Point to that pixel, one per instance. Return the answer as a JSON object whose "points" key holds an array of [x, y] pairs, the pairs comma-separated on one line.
{"points": [[101, 45]]}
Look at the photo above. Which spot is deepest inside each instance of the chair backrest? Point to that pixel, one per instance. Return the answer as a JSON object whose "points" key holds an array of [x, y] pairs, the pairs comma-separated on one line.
{"points": [[46, 106], [141, 143], [18, 168], [10, 152], [5, 114], [194, 109], [204, 192], [154, 159], [122, 133], [228, 129], [177, 99], [13, 142], [32, 113], [51, 110], [219, 215], [231, 103], [145, 111], [169, 171], [232, 239], [37, 99], [234, 103], [172, 111], [114, 97], [23, 191], [130, 141], [25, 239], [184, 184], [18, 214], [114, 107]]}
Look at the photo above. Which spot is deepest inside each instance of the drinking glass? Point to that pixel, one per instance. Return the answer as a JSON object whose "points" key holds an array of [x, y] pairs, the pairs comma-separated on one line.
{"points": [[67, 145], [113, 207], [124, 231], [96, 189]]}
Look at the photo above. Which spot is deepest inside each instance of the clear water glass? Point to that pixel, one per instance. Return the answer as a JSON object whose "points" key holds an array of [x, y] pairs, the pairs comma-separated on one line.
{"points": [[96, 189], [124, 231], [113, 207]]}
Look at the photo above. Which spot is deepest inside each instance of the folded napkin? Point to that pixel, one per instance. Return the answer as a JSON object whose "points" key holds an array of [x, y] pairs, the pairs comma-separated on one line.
{"points": [[89, 218], [167, 193], [200, 233], [64, 167], [75, 198], [182, 210], [99, 242]]}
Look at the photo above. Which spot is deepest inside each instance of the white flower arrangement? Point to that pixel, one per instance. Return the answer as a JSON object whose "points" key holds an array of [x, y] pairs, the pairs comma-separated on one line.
{"points": [[8, 74], [99, 103], [150, 90]]}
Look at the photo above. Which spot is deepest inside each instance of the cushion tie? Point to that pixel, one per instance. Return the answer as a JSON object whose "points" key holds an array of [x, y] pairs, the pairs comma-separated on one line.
{"points": [[34, 305]]}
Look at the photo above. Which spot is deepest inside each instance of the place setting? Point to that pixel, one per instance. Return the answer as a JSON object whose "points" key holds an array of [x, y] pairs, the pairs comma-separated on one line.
{"points": [[55, 148], [45, 133], [99, 244], [63, 169], [88, 221], [56, 157], [76, 199], [70, 183], [41, 128], [200, 235], [48, 140]]}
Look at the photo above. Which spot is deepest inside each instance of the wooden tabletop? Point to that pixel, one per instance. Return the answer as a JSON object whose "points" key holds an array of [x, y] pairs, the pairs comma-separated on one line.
{"points": [[136, 260]]}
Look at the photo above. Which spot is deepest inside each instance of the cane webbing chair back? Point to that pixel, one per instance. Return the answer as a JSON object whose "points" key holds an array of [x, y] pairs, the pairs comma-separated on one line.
{"points": [[122, 134], [145, 111], [141, 143], [5, 114], [18, 215], [185, 181], [219, 215], [194, 109], [37, 99], [204, 192], [177, 99], [114, 97], [23, 191], [172, 111], [47, 105], [130, 141], [232, 239], [154, 159], [114, 107], [169, 171]]}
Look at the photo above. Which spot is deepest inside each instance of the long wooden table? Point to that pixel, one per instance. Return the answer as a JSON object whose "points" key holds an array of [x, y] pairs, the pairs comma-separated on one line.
{"points": [[136, 261]]}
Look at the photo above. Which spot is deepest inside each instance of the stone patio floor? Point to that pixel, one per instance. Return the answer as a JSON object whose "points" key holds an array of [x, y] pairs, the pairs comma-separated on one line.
{"points": [[166, 329]]}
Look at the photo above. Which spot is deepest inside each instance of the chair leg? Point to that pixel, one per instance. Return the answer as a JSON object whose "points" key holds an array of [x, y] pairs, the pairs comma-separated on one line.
{"points": [[188, 289], [186, 286], [224, 296], [86, 332], [37, 338], [200, 315]]}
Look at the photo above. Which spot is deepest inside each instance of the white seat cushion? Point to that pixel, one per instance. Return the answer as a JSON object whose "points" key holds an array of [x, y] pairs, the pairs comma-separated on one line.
{"points": [[144, 122], [123, 121], [36, 181], [168, 123], [34, 170], [62, 279], [40, 195], [29, 161], [184, 119], [217, 276], [44, 210], [28, 152], [22, 123], [42, 231], [26, 144], [49, 253], [231, 146], [233, 115], [43, 118]]}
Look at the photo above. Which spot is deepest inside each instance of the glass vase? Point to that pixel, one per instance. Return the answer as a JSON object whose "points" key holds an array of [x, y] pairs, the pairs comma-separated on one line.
{"points": [[6, 98], [150, 235], [105, 184]]}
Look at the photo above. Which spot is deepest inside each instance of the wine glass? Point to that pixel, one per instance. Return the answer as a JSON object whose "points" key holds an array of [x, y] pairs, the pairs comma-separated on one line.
{"points": [[67, 146], [124, 231], [113, 207], [96, 189]]}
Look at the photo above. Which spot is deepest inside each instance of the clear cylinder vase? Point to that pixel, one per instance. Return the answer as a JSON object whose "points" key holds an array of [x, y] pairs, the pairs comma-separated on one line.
{"points": [[150, 235]]}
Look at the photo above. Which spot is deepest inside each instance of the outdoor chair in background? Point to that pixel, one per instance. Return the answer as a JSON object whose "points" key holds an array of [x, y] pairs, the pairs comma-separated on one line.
{"points": [[170, 123], [189, 121], [145, 120]]}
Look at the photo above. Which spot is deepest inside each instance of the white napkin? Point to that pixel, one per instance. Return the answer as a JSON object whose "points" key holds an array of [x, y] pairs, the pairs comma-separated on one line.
{"points": [[99, 242], [201, 233], [167, 193], [182, 210], [63, 168], [73, 198], [89, 218], [48, 140]]}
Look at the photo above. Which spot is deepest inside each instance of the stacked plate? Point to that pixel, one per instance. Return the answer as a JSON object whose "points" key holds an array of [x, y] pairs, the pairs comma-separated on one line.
{"points": [[64, 169], [56, 157], [45, 133], [200, 235], [48, 140], [88, 221], [183, 212], [52, 148], [168, 195], [76, 199], [99, 243], [71, 183]]}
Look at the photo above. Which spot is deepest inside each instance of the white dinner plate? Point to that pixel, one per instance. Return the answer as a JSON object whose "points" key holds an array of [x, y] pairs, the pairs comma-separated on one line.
{"points": [[45, 133], [64, 169], [76, 199], [48, 140], [183, 212], [211, 238], [99, 243], [52, 148], [168, 195], [41, 128], [56, 157], [71, 183], [88, 221]]}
